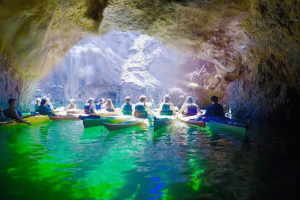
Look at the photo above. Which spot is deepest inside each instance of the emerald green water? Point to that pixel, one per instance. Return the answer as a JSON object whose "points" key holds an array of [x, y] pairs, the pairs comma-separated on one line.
{"points": [[62, 160]]}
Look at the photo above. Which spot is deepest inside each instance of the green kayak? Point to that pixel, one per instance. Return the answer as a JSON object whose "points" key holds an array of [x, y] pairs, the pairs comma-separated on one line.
{"points": [[127, 124], [112, 119], [162, 121]]}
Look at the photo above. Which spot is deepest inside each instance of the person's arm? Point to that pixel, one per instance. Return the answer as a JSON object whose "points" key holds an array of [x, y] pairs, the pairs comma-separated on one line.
{"points": [[93, 109], [148, 109], [112, 107], [172, 108], [74, 106], [160, 108], [68, 107], [16, 116], [51, 108], [152, 101], [198, 109], [133, 109], [208, 112], [182, 109]]}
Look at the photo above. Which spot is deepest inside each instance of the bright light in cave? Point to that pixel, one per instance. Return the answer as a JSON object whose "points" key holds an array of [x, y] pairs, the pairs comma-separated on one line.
{"points": [[117, 65]]}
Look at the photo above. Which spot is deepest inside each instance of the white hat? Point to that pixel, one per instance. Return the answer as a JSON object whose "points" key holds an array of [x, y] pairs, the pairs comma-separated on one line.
{"points": [[72, 100], [38, 99]]}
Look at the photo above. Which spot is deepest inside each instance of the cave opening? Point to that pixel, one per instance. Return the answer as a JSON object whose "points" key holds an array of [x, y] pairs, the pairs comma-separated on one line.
{"points": [[120, 64]]}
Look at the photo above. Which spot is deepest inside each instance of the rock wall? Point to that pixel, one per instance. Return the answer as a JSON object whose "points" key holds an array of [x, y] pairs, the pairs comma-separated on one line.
{"points": [[115, 65]]}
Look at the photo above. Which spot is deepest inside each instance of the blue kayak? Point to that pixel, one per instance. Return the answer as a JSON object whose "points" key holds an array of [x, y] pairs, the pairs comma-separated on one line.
{"points": [[226, 124]]}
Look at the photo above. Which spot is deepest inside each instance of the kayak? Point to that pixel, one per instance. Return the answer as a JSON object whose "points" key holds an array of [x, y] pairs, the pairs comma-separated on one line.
{"points": [[30, 119], [193, 120], [162, 121], [74, 111], [85, 116], [65, 117], [126, 124], [104, 113], [226, 124], [112, 119]]}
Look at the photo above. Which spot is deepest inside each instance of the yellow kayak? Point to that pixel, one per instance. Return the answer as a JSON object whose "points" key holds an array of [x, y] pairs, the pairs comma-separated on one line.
{"points": [[31, 119], [104, 113]]}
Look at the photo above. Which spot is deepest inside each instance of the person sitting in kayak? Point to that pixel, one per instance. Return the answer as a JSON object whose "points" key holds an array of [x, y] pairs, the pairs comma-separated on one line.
{"points": [[72, 105], [215, 109], [141, 109], [166, 108], [189, 108], [12, 113], [44, 109], [109, 106], [127, 108], [38, 103], [89, 107], [49, 105], [101, 104]]}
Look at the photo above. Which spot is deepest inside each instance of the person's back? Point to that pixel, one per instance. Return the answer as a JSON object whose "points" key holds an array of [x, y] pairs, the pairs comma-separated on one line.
{"points": [[140, 111], [127, 109], [7, 113], [44, 109], [191, 109], [215, 109]]}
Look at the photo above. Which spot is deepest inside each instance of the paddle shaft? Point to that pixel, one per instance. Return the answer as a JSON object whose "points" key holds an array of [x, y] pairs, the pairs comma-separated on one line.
{"points": [[15, 120]]}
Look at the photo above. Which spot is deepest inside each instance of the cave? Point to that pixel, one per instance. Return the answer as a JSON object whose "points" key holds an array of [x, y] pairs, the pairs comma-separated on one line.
{"points": [[244, 52]]}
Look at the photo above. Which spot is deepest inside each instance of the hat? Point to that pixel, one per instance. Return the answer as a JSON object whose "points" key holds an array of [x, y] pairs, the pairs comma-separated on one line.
{"points": [[38, 99], [72, 100]]}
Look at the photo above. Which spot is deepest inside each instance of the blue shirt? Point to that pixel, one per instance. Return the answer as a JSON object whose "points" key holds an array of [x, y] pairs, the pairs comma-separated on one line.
{"points": [[215, 110]]}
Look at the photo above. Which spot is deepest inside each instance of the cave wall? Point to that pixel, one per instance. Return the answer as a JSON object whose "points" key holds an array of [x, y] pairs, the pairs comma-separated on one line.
{"points": [[253, 45]]}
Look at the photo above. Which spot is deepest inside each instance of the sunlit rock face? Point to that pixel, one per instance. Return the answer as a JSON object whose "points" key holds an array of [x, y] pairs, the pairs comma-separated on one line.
{"points": [[113, 66]]}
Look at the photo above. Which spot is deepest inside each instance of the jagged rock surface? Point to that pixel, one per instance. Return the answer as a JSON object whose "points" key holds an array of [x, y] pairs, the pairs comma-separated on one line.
{"points": [[112, 66]]}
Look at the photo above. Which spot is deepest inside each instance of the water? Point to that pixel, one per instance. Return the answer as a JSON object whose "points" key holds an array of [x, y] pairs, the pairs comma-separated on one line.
{"points": [[62, 160]]}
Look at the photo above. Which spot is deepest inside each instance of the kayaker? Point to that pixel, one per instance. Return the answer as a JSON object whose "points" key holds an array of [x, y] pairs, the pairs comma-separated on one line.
{"points": [[109, 106], [101, 104], [189, 108], [72, 105], [215, 109], [38, 103], [166, 108], [44, 109], [49, 105], [13, 113], [89, 107], [127, 108], [141, 109]]}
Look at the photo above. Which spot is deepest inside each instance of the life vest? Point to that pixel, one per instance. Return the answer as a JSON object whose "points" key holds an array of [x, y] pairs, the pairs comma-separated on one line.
{"points": [[87, 110], [127, 109], [140, 111], [165, 110], [191, 110], [44, 110], [8, 115]]}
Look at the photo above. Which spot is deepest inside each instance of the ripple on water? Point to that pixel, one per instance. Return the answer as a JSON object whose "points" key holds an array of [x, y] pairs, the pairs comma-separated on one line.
{"points": [[179, 162]]}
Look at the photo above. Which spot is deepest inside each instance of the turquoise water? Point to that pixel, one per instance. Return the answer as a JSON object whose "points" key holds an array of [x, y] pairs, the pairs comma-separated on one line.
{"points": [[62, 160]]}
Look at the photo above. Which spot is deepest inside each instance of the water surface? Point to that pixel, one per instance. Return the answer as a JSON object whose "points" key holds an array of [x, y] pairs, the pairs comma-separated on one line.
{"points": [[62, 160]]}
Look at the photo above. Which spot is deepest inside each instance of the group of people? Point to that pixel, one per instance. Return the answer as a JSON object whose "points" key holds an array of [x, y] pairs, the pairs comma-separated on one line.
{"points": [[139, 110], [189, 108]]}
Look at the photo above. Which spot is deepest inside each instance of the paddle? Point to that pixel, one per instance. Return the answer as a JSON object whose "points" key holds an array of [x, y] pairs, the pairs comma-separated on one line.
{"points": [[1, 124]]}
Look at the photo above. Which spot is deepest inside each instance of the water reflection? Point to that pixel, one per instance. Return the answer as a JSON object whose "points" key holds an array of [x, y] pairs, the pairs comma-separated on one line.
{"points": [[64, 160]]}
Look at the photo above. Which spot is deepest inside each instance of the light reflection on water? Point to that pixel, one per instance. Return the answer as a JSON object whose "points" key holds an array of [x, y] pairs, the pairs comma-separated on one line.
{"points": [[62, 160]]}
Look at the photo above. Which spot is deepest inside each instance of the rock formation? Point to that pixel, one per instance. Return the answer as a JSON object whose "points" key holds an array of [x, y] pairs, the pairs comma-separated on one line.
{"points": [[112, 66]]}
